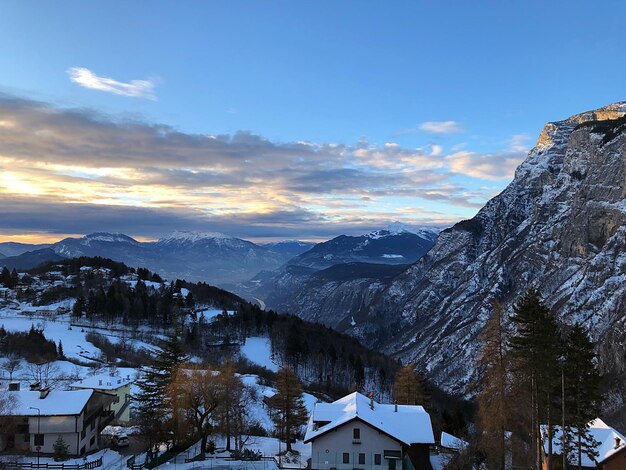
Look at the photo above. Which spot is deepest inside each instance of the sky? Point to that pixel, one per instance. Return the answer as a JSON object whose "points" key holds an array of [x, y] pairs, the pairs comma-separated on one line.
{"points": [[283, 120]]}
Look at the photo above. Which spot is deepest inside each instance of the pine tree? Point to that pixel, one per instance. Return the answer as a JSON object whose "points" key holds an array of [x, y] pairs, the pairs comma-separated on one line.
{"points": [[61, 449], [79, 306], [60, 350], [290, 412], [582, 395], [494, 389], [154, 408], [536, 349]]}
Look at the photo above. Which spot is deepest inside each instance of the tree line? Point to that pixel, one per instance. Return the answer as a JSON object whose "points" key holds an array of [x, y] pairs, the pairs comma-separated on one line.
{"points": [[535, 377]]}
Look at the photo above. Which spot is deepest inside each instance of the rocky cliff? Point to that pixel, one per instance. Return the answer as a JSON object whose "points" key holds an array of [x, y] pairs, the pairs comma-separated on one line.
{"points": [[560, 226]]}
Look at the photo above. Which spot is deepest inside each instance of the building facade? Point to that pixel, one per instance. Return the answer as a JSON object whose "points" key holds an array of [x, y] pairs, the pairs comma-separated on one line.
{"points": [[37, 418], [356, 432]]}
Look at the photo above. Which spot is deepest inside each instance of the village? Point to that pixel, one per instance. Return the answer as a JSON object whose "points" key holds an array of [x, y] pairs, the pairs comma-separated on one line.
{"points": [[78, 409]]}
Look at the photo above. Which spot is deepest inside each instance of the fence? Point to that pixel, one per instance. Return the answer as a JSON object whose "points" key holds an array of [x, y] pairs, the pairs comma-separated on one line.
{"points": [[56, 466]]}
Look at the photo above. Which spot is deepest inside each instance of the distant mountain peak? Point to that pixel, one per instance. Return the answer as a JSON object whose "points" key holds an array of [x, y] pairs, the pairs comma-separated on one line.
{"points": [[191, 236], [109, 237], [398, 228]]}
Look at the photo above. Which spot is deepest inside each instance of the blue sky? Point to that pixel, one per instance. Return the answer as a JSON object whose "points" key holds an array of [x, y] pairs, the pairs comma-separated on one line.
{"points": [[456, 92]]}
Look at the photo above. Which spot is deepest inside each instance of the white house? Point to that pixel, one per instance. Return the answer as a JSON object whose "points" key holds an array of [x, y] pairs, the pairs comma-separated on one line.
{"points": [[357, 432], [114, 385], [611, 446], [36, 419]]}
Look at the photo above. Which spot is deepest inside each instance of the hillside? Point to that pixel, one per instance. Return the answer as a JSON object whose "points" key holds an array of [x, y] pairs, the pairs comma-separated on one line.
{"points": [[560, 226], [196, 256]]}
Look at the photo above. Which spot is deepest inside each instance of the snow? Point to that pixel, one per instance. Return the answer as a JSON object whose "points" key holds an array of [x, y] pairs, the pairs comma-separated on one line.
{"points": [[452, 442], [410, 424], [103, 382], [190, 236], [258, 350], [110, 459], [392, 256], [54, 328], [211, 313], [603, 433], [154, 285], [58, 402]]}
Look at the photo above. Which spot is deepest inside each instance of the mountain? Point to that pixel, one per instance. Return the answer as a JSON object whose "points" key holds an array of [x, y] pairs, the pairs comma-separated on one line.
{"points": [[14, 248], [289, 248], [2, 255], [196, 256], [213, 257], [394, 245], [560, 226], [30, 259], [336, 279]]}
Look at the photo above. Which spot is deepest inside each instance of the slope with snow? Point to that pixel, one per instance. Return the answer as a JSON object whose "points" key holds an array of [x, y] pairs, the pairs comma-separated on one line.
{"points": [[560, 226]]}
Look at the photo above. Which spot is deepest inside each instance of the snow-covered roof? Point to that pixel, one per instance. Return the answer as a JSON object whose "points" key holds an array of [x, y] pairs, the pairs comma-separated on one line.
{"points": [[102, 382], [57, 402], [603, 433], [409, 425], [452, 442]]}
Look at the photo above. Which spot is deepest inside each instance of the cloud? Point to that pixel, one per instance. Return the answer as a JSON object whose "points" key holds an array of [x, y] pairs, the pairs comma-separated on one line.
{"points": [[488, 166], [145, 178], [519, 143], [441, 127], [134, 89]]}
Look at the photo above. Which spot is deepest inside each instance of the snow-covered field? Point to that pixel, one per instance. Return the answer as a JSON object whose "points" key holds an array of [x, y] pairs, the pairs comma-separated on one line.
{"points": [[258, 350]]}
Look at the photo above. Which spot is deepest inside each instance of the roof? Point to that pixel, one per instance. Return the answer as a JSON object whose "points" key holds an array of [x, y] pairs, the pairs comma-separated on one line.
{"points": [[57, 403], [102, 382], [452, 442], [601, 432], [409, 425]]}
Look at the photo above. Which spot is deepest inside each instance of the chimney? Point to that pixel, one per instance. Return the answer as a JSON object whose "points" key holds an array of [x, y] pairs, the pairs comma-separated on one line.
{"points": [[618, 442], [43, 393], [372, 400], [395, 406]]}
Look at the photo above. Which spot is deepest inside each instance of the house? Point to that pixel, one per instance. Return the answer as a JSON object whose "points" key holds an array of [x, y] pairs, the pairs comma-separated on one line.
{"points": [[118, 387], [36, 419], [453, 444], [358, 432], [611, 447]]}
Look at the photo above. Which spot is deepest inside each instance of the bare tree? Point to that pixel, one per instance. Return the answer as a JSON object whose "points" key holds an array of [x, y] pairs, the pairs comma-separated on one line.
{"points": [[12, 364], [46, 374], [194, 397]]}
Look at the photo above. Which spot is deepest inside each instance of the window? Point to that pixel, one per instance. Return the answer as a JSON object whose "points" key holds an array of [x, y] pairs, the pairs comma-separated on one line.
{"points": [[356, 434], [361, 459], [39, 439], [377, 459], [26, 437], [92, 441], [346, 457]]}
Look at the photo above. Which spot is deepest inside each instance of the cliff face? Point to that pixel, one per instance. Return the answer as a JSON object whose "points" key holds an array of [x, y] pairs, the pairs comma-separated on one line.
{"points": [[560, 226]]}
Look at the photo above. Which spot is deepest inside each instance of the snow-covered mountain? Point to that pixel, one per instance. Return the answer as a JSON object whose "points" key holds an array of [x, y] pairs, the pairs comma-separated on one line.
{"points": [[560, 226], [394, 245], [215, 258], [335, 279]]}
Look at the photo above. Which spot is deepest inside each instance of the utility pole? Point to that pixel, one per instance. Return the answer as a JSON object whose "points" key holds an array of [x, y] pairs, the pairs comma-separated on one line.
{"points": [[563, 453], [38, 432]]}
